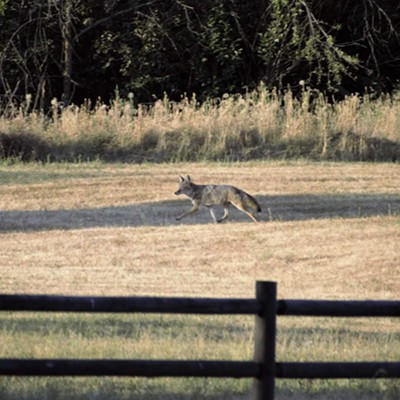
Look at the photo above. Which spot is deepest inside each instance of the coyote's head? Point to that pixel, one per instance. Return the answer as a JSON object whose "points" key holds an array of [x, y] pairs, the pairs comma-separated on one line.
{"points": [[185, 186]]}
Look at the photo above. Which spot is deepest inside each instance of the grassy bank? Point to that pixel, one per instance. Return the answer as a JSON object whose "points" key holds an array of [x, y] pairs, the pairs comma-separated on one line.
{"points": [[327, 230], [259, 125]]}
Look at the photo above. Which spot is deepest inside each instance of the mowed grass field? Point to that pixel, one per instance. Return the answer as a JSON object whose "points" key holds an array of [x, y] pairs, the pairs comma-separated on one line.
{"points": [[327, 231]]}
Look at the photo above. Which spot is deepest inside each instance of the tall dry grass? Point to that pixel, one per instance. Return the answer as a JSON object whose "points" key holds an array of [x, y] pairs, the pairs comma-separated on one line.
{"points": [[259, 125]]}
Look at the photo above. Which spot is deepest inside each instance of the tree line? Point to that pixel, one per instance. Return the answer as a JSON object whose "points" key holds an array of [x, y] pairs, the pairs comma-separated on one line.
{"points": [[74, 50]]}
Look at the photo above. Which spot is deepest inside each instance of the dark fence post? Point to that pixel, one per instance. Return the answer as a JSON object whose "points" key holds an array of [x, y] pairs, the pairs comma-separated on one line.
{"points": [[265, 337]]}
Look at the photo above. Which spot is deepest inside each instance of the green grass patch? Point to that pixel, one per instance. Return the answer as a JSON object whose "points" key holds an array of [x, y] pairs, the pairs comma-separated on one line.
{"points": [[40, 335]]}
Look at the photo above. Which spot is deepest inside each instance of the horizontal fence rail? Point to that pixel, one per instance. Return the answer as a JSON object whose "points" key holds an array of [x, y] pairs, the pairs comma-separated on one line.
{"points": [[339, 308], [338, 370], [178, 305], [169, 305], [264, 369], [198, 368], [138, 368]]}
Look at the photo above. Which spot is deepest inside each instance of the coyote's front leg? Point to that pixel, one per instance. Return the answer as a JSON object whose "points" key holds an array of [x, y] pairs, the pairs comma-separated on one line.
{"points": [[191, 211]]}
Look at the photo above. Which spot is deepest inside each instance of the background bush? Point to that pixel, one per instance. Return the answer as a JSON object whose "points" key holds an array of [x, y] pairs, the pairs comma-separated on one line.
{"points": [[259, 125]]}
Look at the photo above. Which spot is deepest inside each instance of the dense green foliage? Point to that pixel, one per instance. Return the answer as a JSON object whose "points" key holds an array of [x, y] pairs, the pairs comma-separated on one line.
{"points": [[74, 50]]}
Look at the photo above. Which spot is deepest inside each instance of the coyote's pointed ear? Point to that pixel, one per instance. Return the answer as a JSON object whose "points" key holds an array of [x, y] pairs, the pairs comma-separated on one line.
{"points": [[181, 178], [188, 179]]}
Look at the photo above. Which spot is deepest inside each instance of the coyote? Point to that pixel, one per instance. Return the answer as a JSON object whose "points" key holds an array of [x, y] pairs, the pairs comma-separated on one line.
{"points": [[211, 195]]}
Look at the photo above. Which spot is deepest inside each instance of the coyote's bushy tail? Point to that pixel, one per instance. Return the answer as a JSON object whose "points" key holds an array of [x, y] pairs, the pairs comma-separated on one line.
{"points": [[252, 202]]}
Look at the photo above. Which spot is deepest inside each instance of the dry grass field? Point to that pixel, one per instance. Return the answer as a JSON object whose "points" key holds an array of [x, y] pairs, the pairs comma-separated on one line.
{"points": [[327, 230]]}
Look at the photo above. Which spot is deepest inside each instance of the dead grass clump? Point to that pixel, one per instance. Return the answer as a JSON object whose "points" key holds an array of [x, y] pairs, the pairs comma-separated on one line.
{"points": [[24, 146], [258, 125], [348, 146]]}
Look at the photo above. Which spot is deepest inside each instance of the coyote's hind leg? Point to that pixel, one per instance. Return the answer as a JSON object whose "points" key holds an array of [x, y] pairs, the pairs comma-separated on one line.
{"points": [[243, 209]]}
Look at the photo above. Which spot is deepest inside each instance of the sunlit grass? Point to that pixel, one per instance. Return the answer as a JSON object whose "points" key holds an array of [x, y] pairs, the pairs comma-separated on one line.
{"points": [[259, 125], [101, 229]]}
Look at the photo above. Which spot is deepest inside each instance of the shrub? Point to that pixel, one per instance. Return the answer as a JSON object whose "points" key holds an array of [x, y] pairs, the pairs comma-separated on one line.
{"points": [[259, 125]]}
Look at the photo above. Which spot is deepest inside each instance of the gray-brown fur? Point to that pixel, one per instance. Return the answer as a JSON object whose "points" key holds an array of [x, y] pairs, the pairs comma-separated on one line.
{"points": [[211, 195]]}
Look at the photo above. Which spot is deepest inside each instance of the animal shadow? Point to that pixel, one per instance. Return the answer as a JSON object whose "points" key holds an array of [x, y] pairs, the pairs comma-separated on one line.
{"points": [[274, 208]]}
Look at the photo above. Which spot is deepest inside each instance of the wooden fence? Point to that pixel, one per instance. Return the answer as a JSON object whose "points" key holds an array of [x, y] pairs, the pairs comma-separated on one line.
{"points": [[264, 368]]}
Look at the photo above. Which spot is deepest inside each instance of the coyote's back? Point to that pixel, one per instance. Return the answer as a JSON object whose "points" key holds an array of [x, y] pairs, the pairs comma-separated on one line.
{"points": [[211, 195]]}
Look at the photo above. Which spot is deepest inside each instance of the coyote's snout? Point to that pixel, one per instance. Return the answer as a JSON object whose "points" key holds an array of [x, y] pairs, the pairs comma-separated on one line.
{"points": [[211, 195]]}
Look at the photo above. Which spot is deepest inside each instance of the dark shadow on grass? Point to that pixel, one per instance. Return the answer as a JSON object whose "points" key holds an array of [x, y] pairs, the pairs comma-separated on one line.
{"points": [[275, 208]]}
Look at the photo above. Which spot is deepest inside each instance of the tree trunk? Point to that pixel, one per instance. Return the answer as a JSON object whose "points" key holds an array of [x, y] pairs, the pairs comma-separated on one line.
{"points": [[66, 29]]}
